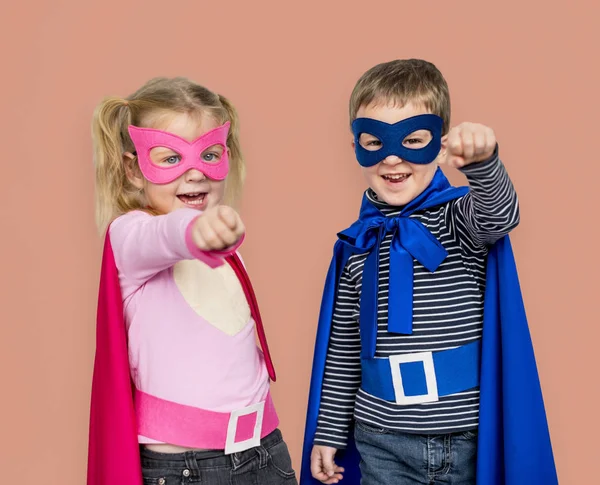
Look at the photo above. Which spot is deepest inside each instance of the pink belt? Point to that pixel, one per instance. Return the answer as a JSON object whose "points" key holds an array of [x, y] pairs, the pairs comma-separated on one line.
{"points": [[191, 427]]}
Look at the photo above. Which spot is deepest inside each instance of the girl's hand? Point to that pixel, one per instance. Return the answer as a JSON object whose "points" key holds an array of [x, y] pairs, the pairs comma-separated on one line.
{"points": [[217, 228]]}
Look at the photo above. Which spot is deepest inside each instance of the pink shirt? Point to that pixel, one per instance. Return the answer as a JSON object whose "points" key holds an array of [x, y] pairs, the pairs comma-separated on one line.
{"points": [[191, 336]]}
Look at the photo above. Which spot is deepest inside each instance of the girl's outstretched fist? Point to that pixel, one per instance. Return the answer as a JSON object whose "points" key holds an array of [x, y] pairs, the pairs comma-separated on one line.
{"points": [[217, 228]]}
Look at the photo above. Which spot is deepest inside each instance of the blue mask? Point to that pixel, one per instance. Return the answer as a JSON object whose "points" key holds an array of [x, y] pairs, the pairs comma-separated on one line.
{"points": [[392, 136]]}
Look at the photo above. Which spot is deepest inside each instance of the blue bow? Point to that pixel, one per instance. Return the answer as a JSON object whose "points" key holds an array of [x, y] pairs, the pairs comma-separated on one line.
{"points": [[411, 240]]}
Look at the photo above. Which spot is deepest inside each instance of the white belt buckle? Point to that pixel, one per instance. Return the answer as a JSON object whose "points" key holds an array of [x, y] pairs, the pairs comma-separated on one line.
{"points": [[230, 445], [427, 359]]}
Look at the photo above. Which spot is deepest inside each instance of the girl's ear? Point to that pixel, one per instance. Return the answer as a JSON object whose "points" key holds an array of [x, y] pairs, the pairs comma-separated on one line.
{"points": [[134, 175]]}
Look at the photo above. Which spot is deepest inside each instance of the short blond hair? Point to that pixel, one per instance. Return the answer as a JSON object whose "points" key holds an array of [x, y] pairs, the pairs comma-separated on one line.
{"points": [[402, 81], [115, 195]]}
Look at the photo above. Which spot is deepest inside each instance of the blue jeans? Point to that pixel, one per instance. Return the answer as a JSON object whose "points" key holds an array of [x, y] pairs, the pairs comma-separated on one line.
{"points": [[400, 458]]}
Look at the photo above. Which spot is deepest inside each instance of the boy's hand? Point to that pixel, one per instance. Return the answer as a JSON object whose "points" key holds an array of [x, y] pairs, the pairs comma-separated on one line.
{"points": [[469, 143], [322, 466], [217, 228]]}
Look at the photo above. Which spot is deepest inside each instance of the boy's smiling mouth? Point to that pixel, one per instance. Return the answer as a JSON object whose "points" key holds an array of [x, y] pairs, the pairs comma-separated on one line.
{"points": [[396, 178]]}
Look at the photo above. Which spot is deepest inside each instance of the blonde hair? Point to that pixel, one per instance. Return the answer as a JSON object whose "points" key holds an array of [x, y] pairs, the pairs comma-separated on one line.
{"points": [[115, 195], [402, 81]]}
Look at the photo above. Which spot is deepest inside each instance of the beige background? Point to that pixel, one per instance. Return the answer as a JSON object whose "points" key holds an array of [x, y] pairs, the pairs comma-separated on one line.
{"points": [[528, 69]]}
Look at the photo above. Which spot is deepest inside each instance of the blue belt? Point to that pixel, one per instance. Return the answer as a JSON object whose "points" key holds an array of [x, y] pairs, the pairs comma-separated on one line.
{"points": [[422, 377]]}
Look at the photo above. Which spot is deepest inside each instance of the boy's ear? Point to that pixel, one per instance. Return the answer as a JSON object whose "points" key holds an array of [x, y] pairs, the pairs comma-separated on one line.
{"points": [[441, 158], [444, 147], [134, 174]]}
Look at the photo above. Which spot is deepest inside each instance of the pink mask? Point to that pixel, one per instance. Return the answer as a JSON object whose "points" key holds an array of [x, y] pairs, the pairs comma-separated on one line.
{"points": [[145, 139]]}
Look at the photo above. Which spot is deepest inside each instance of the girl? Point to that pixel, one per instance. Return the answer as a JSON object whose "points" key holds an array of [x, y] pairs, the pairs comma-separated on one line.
{"points": [[180, 391]]}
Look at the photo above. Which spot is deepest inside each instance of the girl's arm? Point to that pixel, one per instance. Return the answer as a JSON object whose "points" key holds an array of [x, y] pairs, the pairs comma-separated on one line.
{"points": [[145, 245]]}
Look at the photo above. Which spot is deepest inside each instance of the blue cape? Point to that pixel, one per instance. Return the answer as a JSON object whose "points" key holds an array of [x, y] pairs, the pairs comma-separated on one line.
{"points": [[514, 445]]}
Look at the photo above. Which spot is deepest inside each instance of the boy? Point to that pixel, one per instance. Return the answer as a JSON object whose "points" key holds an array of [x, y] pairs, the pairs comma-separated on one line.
{"points": [[399, 355]]}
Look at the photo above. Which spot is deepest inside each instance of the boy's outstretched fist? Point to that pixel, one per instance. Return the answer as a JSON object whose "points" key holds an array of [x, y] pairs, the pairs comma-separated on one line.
{"points": [[468, 143]]}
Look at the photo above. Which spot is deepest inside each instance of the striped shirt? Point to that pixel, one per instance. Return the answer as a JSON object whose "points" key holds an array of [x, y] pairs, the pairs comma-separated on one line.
{"points": [[447, 312]]}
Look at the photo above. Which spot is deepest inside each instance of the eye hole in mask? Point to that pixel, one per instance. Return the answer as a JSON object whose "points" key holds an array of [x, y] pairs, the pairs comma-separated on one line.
{"points": [[166, 157], [414, 141]]}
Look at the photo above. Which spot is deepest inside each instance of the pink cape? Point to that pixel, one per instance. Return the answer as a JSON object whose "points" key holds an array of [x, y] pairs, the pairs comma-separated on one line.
{"points": [[113, 454]]}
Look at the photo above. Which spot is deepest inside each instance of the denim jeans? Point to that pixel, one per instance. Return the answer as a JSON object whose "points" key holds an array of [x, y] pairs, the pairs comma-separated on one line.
{"points": [[405, 459], [267, 464]]}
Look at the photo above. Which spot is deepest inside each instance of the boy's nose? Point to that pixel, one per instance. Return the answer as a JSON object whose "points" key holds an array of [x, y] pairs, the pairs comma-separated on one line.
{"points": [[392, 160]]}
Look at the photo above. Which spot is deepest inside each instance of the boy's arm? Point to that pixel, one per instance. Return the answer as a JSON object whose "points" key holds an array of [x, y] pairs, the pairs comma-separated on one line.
{"points": [[491, 208], [342, 369]]}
